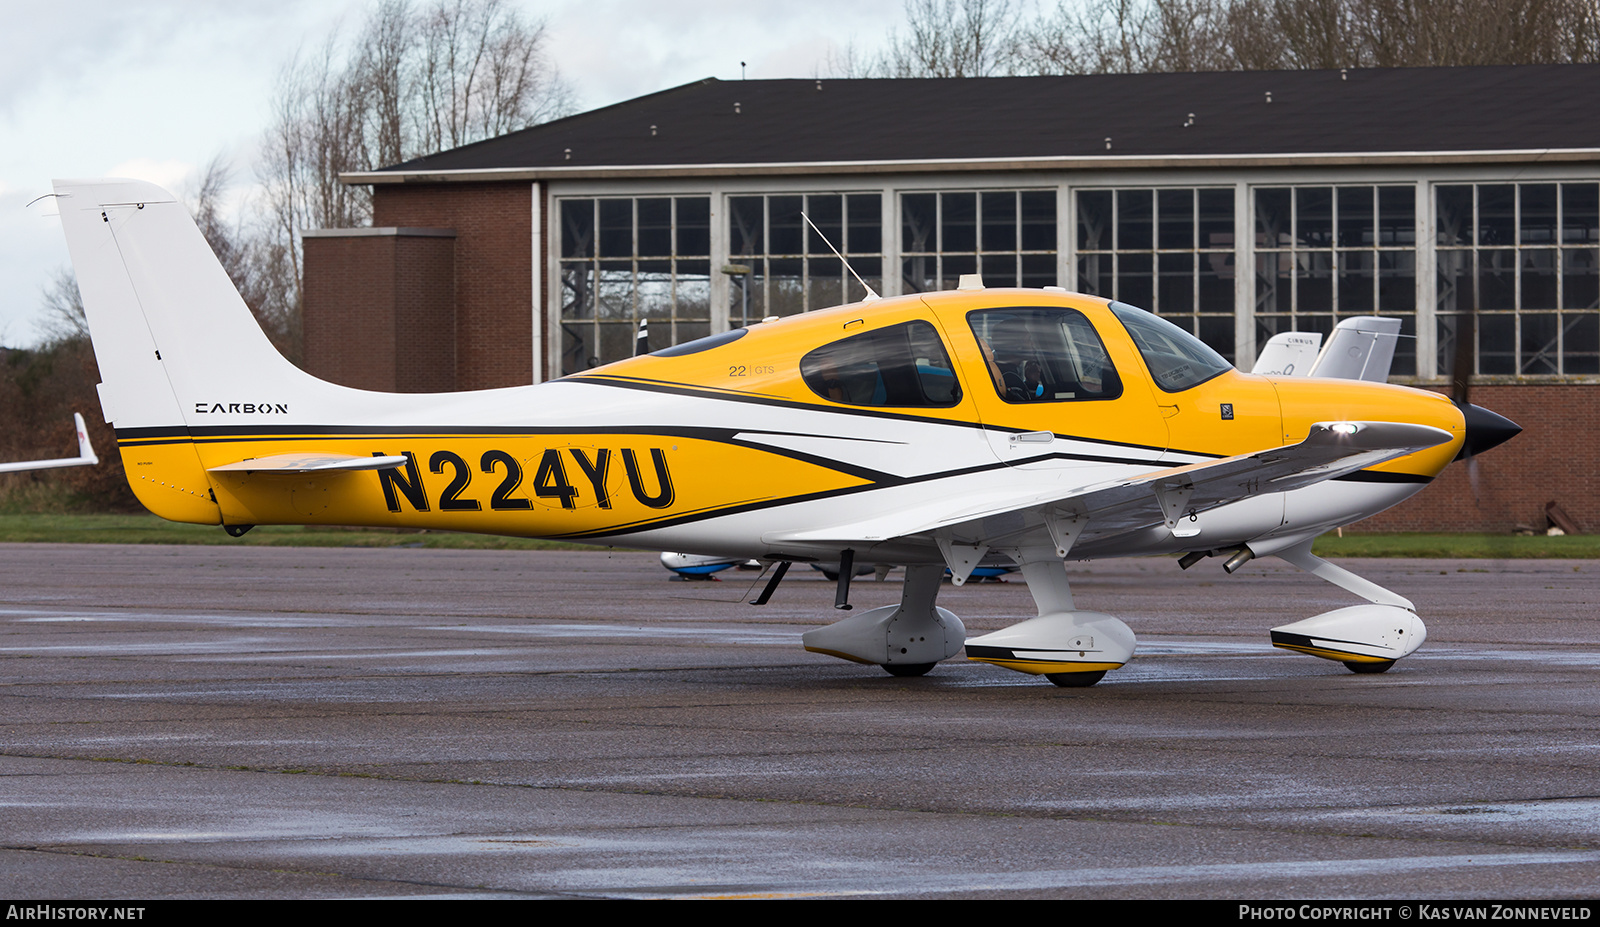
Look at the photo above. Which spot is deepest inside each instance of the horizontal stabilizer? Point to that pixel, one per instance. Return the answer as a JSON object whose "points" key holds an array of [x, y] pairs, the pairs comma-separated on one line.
{"points": [[309, 463]]}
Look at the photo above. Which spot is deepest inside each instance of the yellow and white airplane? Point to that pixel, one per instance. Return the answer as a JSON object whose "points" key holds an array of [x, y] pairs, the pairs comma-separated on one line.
{"points": [[931, 431]]}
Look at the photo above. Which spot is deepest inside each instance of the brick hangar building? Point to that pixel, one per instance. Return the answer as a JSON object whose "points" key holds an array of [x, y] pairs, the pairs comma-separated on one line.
{"points": [[1463, 201]]}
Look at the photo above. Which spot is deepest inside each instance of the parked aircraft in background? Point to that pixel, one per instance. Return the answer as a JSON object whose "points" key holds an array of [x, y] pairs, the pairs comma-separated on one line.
{"points": [[928, 431], [85, 458]]}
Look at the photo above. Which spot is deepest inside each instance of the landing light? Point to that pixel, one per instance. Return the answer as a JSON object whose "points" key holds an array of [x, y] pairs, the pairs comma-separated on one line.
{"points": [[1344, 428]]}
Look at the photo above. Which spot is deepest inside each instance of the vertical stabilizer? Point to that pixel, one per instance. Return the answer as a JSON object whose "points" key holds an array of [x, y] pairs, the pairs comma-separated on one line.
{"points": [[170, 331]]}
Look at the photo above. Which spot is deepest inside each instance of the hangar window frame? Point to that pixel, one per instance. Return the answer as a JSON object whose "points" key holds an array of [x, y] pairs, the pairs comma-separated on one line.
{"points": [[1329, 251], [1009, 235], [1153, 246], [622, 260], [801, 273], [1523, 260]]}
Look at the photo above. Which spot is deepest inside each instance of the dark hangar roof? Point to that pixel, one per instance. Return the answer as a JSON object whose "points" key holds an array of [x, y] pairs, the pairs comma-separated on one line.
{"points": [[755, 122]]}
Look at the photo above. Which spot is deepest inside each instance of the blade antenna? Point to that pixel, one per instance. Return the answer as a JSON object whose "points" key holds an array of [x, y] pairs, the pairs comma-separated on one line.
{"points": [[871, 293]]}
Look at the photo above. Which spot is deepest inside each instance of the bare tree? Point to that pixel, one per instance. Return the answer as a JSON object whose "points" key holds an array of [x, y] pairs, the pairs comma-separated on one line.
{"points": [[1132, 36], [415, 79], [953, 38]]}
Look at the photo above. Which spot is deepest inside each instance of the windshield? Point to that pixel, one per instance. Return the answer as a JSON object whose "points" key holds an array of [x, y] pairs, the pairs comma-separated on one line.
{"points": [[1177, 359]]}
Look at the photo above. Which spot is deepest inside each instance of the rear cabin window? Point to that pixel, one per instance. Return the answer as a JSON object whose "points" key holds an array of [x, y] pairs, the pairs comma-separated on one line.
{"points": [[1044, 354], [902, 365]]}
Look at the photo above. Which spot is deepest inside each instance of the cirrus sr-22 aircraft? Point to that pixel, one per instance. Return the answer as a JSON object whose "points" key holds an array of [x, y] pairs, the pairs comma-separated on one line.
{"points": [[932, 431]]}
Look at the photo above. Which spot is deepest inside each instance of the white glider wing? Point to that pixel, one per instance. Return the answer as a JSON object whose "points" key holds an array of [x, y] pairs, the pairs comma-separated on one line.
{"points": [[86, 456]]}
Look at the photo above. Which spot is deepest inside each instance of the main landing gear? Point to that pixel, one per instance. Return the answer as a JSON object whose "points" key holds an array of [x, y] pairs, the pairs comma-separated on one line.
{"points": [[1070, 648], [1074, 649]]}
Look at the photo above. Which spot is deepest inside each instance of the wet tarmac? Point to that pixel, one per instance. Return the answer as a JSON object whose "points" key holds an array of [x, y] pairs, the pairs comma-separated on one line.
{"points": [[308, 723]]}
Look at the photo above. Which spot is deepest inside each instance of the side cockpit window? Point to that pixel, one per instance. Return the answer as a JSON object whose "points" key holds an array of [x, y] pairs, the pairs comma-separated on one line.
{"points": [[1044, 354], [901, 365], [1177, 359]]}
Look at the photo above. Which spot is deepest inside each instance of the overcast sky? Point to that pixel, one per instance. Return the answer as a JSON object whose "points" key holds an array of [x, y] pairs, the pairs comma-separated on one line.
{"points": [[154, 89]]}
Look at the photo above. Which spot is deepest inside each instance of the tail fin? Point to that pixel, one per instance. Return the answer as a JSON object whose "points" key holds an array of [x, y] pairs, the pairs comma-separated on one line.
{"points": [[1360, 348], [169, 329]]}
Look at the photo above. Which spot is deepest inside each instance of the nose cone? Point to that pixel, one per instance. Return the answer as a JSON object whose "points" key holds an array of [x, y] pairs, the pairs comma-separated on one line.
{"points": [[1485, 430]]}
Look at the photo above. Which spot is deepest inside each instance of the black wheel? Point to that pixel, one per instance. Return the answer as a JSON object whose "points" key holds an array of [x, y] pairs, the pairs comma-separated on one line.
{"points": [[908, 669], [1075, 680], [1381, 666]]}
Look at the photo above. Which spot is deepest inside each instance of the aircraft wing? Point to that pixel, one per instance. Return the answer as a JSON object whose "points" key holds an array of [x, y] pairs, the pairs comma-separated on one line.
{"points": [[1332, 449]]}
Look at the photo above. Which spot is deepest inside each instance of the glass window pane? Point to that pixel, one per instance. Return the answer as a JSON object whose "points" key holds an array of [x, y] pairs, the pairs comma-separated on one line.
{"points": [[746, 225], [1216, 283], [1135, 220], [655, 227], [1176, 292], [917, 215], [1397, 281], [1038, 220], [577, 228], [1397, 217], [784, 225], [827, 214], [1313, 216], [865, 235], [1580, 213], [1273, 218], [1405, 351], [577, 291], [1038, 270], [824, 283], [1537, 223], [1356, 229], [654, 286], [694, 226], [616, 228], [999, 269], [1094, 220], [1454, 284], [1497, 353], [958, 222], [1453, 222], [1175, 213], [1540, 354], [1496, 219], [1356, 281], [871, 270], [999, 222], [1094, 275], [952, 266], [1538, 279], [616, 290], [1314, 283], [1497, 281], [692, 295], [1580, 278], [1274, 282], [1580, 344], [1216, 219], [1134, 284], [785, 286]]}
